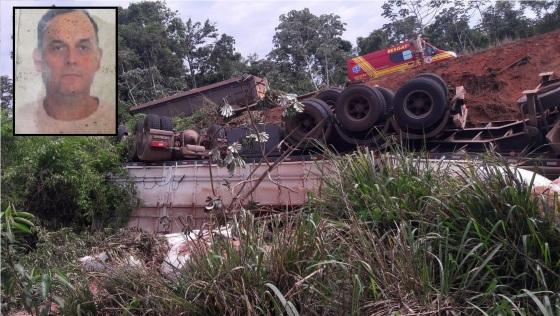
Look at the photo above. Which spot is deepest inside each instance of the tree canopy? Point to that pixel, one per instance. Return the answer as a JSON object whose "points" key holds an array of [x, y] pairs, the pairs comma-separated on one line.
{"points": [[309, 50], [461, 25]]}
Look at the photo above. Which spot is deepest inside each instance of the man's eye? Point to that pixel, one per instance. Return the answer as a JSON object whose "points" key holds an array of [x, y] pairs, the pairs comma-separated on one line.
{"points": [[84, 47], [57, 48]]}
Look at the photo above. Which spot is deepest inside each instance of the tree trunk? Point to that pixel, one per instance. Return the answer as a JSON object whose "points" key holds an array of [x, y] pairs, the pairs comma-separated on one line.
{"points": [[193, 79], [310, 73], [327, 70]]}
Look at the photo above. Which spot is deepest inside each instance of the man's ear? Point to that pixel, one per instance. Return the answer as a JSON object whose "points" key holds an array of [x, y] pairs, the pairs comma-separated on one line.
{"points": [[99, 55], [38, 60]]}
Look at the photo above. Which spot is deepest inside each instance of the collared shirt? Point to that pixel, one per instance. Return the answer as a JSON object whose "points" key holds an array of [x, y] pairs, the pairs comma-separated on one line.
{"points": [[32, 118]]}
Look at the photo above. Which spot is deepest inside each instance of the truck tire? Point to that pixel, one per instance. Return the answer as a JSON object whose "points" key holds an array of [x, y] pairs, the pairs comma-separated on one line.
{"points": [[436, 78], [152, 121], [359, 108], [329, 96], [388, 95], [329, 131], [314, 113], [419, 103], [166, 123]]}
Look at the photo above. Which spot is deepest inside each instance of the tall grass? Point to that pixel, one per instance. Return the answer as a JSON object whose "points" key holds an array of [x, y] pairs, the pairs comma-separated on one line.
{"points": [[479, 236], [389, 235], [384, 189]]}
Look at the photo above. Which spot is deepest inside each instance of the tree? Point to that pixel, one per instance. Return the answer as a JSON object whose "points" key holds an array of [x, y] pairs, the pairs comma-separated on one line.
{"points": [[261, 67], [423, 11], [376, 40], [451, 31], [151, 40], [504, 21], [547, 12], [541, 8], [151, 35], [401, 30], [332, 50], [196, 47], [6, 93], [223, 62], [389, 34], [308, 50]]}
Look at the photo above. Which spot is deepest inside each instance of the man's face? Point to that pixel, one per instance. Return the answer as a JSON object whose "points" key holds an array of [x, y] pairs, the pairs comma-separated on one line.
{"points": [[69, 57]]}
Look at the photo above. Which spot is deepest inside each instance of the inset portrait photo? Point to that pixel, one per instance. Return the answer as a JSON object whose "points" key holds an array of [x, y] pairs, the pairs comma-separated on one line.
{"points": [[65, 71]]}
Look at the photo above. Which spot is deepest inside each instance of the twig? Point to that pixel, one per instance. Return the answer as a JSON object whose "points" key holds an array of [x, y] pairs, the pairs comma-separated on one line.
{"points": [[300, 282], [278, 184], [519, 62], [278, 161], [255, 179], [255, 169]]}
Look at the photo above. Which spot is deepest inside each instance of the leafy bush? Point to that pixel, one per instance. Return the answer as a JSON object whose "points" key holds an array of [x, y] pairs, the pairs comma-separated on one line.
{"points": [[202, 118], [30, 288], [64, 181]]}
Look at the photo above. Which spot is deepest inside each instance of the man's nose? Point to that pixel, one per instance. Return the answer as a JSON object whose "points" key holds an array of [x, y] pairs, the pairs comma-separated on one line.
{"points": [[71, 56]]}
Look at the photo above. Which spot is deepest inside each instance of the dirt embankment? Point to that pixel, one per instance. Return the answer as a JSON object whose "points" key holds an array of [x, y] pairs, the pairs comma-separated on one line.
{"points": [[494, 78]]}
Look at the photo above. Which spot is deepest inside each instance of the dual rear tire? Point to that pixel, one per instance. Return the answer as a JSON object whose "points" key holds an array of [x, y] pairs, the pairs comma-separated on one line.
{"points": [[420, 104], [361, 107]]}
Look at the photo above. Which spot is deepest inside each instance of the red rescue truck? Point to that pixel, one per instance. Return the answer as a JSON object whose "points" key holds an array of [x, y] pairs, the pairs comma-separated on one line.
{"points": [[395, 58]]}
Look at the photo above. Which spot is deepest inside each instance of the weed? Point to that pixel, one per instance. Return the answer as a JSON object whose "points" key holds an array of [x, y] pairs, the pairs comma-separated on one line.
{"points": [[392, 234]]}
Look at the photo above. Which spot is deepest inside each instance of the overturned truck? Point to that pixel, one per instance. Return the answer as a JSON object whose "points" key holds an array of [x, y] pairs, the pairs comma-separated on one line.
{"points": [[176, 180]]}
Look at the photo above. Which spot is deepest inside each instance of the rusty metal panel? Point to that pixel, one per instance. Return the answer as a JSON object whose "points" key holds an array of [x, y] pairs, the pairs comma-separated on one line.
{"points": [[173, 191], [239, 92]]}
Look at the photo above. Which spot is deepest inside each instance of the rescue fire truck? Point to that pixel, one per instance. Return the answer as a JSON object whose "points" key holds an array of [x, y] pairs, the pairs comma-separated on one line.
{"points": [[395, 58]]}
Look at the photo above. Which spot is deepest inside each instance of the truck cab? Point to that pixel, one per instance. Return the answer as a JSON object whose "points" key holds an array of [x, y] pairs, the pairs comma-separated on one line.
{"points": [[395, 58]]}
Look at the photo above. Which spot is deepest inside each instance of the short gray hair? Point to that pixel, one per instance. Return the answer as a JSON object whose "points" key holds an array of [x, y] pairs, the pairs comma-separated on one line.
{"points": [[51, 14]]}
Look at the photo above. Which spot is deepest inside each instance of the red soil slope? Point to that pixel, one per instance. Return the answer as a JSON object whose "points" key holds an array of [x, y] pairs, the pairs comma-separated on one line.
{"points": [[494, 78]]}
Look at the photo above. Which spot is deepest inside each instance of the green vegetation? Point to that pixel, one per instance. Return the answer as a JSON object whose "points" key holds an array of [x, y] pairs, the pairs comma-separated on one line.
{"points": [[399, 237], [461, 25], [202, 118], [64, 181], [387, 236], [26, 286], [154, 43]]}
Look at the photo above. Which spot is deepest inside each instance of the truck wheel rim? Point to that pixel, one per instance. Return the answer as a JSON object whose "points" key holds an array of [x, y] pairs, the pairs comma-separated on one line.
{"points": [[357, 108], [418, 104], [305, 123]]}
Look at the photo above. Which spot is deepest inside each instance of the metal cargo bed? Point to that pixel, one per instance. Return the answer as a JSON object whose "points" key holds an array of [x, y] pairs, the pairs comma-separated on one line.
{"points": [[174, 195]]}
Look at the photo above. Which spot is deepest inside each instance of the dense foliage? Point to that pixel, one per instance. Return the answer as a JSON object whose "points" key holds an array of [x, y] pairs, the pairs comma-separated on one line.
{"points": [[400, 237], [383, 239], [160, 54], [64, 181], [309, 50], [462, 25], [6, 95]]}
